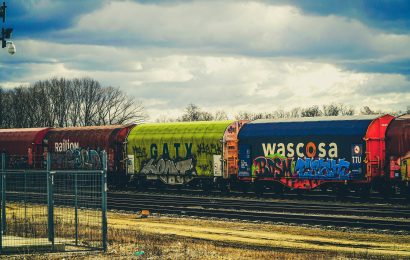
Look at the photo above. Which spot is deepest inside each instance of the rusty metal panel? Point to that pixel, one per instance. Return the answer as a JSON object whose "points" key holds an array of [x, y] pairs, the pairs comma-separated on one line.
{"points": [[17, 141], [376, 146], [398, 147], [230, 166], [23, 146], [91, 139], [398, 136]]}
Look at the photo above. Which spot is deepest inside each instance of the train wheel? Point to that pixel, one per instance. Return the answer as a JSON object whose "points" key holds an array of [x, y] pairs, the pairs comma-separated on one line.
{"points": [[243, 187], [341, 191], [224, 186], [278, 188], [206, 186], [259, 188], [364, 191], [405, 190], [323, 189]]}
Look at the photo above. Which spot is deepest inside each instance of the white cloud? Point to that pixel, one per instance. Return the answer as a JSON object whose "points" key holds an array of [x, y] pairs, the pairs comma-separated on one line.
{"points": [[167, 82], [238, 27], [221, 55]]}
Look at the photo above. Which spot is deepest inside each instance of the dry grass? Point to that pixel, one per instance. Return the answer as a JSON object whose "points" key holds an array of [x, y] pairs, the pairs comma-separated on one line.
{"points": [[179, 238]]}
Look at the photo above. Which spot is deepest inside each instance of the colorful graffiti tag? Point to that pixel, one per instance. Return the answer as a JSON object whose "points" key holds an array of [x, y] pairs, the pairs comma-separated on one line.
{"points": [[278, 166], [272, 166], [323, 168], [165, 166], [78, 158]]}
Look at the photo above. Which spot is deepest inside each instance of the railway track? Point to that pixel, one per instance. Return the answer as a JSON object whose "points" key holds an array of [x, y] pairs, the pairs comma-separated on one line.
{"points": [[327, 196], [380, 217], [334, 214]]}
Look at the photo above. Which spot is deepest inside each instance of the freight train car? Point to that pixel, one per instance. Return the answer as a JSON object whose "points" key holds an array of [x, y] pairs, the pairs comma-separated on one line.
{"points": [[79, 148], [398, 152], [23, 147], [306, 153], [195, 153]]}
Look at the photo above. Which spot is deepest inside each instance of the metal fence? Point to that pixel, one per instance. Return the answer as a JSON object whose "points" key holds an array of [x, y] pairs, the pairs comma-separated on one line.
{"points": [[43, 209]]}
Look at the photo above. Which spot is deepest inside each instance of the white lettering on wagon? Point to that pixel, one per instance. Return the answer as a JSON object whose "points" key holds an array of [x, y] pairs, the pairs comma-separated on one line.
{"points": [[66, 145], [309, 150]]}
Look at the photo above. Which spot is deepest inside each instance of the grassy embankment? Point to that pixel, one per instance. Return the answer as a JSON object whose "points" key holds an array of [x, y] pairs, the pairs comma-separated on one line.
{"points": [[179, 238]]}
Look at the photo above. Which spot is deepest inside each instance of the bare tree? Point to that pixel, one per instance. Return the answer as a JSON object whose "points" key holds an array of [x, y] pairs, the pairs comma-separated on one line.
{"points": [[117, 108], [331, 110], [311, 112], [367, 111], [165, 119], [280, 113], [59, 102], [295, 112], [194, 113], [336, 110], [243, 115], [220, 115], [346, 110]]}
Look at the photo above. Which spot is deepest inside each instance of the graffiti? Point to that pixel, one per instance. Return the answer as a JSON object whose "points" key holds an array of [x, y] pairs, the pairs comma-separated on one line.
{"points": [[209, 149], [78, 158], [17, 162], [278, 166], [165, 166], [321, 168], [232, 129], [139, 152], [273, 166]]}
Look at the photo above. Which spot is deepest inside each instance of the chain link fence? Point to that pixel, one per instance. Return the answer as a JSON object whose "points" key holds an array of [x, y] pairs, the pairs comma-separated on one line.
{"points": [[46, 208]]}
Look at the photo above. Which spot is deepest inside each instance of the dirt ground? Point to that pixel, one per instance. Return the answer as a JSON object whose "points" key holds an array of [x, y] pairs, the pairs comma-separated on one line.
{"points": [[160, 237]]}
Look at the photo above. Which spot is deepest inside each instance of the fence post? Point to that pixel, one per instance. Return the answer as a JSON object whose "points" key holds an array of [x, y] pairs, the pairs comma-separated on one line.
{"points": [[3, 192], [104, 200], [76, 208], [50, 201], [3, 200]]}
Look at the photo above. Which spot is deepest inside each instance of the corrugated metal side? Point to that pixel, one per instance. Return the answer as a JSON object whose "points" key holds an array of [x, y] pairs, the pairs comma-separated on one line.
{"points": [[313, 149], [17, 141], [173, 141], [398, 136], [376, 147], [61, 139], [231, 148], [344, 126], [398, 148], [109, 138]]}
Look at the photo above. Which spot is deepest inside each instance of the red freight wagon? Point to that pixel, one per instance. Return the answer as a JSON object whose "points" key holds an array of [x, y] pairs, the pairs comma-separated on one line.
{"points": [[80, 147], [23, 146], [398, 149]]}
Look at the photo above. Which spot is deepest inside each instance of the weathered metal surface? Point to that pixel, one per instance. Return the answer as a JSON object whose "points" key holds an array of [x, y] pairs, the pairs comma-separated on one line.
{"points": [[305, 152], [23, 146], [178, 152], [86, 143], [398, 147]]}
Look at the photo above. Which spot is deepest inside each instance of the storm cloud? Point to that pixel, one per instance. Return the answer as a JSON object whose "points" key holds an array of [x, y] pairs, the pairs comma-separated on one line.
{"points": [[222, 55]]}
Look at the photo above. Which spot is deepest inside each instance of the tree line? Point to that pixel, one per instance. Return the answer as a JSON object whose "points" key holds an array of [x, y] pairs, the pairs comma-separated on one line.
{"points": [[60, 102], [195, 113]]}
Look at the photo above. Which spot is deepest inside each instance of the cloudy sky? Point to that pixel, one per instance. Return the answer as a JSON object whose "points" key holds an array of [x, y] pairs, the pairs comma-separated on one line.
{"points": [[256, 56]]}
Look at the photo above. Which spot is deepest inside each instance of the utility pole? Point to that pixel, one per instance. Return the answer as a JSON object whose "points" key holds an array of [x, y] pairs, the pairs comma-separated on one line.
{"points": [[6, 33]]}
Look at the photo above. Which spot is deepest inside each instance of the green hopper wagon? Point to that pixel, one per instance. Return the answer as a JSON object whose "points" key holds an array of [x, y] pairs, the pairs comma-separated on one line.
{"points": [[184, 152]]}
